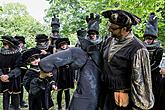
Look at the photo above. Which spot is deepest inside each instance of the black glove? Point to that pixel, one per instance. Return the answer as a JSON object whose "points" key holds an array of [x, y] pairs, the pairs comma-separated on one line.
{"points": [[81, 33], [91, 18]]}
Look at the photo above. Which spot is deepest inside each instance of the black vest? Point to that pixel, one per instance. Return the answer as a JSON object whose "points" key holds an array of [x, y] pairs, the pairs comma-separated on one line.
{"points": [[117, 72]]}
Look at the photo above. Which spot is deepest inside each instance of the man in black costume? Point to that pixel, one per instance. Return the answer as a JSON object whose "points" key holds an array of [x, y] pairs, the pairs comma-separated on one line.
{"points": [[87, 60], [31, 57], [155, 53], [22, 43], [42, 100], [126, 69], [10, 73], [65, 76], [42, 43]]}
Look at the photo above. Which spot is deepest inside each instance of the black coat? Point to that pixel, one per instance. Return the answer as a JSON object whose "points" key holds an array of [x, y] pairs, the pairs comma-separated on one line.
{"points": [[161, 105], [10, 65], [65, 77], [40, 91], [155, 53], [30, 74]]}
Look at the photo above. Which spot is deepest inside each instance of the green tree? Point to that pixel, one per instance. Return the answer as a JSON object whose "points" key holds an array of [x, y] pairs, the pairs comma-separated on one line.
{"points": [[72, 13], [15, 20]]}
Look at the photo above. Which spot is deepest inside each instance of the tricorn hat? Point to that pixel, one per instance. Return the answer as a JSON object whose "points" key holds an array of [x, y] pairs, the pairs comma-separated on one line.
{"points": [[121, 17], [61, 41], [20, 39], [152, 26]]}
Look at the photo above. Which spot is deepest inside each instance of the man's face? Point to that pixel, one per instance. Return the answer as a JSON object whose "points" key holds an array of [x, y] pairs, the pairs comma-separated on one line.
{"points": [[115, 30], [149, 39], [21, 44], [92, 36], [55, 33], [6, 45], [35, 62], [64, 46], [43, 44]]}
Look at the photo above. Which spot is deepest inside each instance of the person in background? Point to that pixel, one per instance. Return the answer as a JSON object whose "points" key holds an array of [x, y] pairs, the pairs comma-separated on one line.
{"points": [[36, 102], [161, 98], [42, 43], [155, 54], [10, 73], [22, 43], [55, 24], [31, 57], [93, 29], [126, 70], [65, 76]]}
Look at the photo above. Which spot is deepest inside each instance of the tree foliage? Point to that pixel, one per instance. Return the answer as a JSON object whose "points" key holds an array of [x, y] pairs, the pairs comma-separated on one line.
{"points": [[72, 13], [15, 20]]}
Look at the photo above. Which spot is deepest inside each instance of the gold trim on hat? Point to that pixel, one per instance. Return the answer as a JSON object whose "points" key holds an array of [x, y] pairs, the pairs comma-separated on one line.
{"points": [[114, 17]]}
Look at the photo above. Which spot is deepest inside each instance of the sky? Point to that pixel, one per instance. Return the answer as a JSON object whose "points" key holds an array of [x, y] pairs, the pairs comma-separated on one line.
{"points": [[34, 7]]}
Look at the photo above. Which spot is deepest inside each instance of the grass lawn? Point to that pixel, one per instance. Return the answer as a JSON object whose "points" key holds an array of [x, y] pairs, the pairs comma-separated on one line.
{"points": [[54, 94]]}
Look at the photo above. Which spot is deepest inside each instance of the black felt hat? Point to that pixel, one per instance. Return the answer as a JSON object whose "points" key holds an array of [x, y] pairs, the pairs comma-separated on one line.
{"points": [[121, 17], [30, 53], [20, 39], [61, 41], [152, 26], [10, 40], [41, 38]]}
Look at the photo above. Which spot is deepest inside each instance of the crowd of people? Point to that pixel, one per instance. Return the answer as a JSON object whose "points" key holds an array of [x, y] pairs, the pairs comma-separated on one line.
{"points": [[118, 73]]}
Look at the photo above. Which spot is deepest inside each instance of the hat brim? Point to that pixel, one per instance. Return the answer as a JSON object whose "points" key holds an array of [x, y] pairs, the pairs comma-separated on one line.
{"points": [[89, 31], [149, 35], [7, 41]]}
